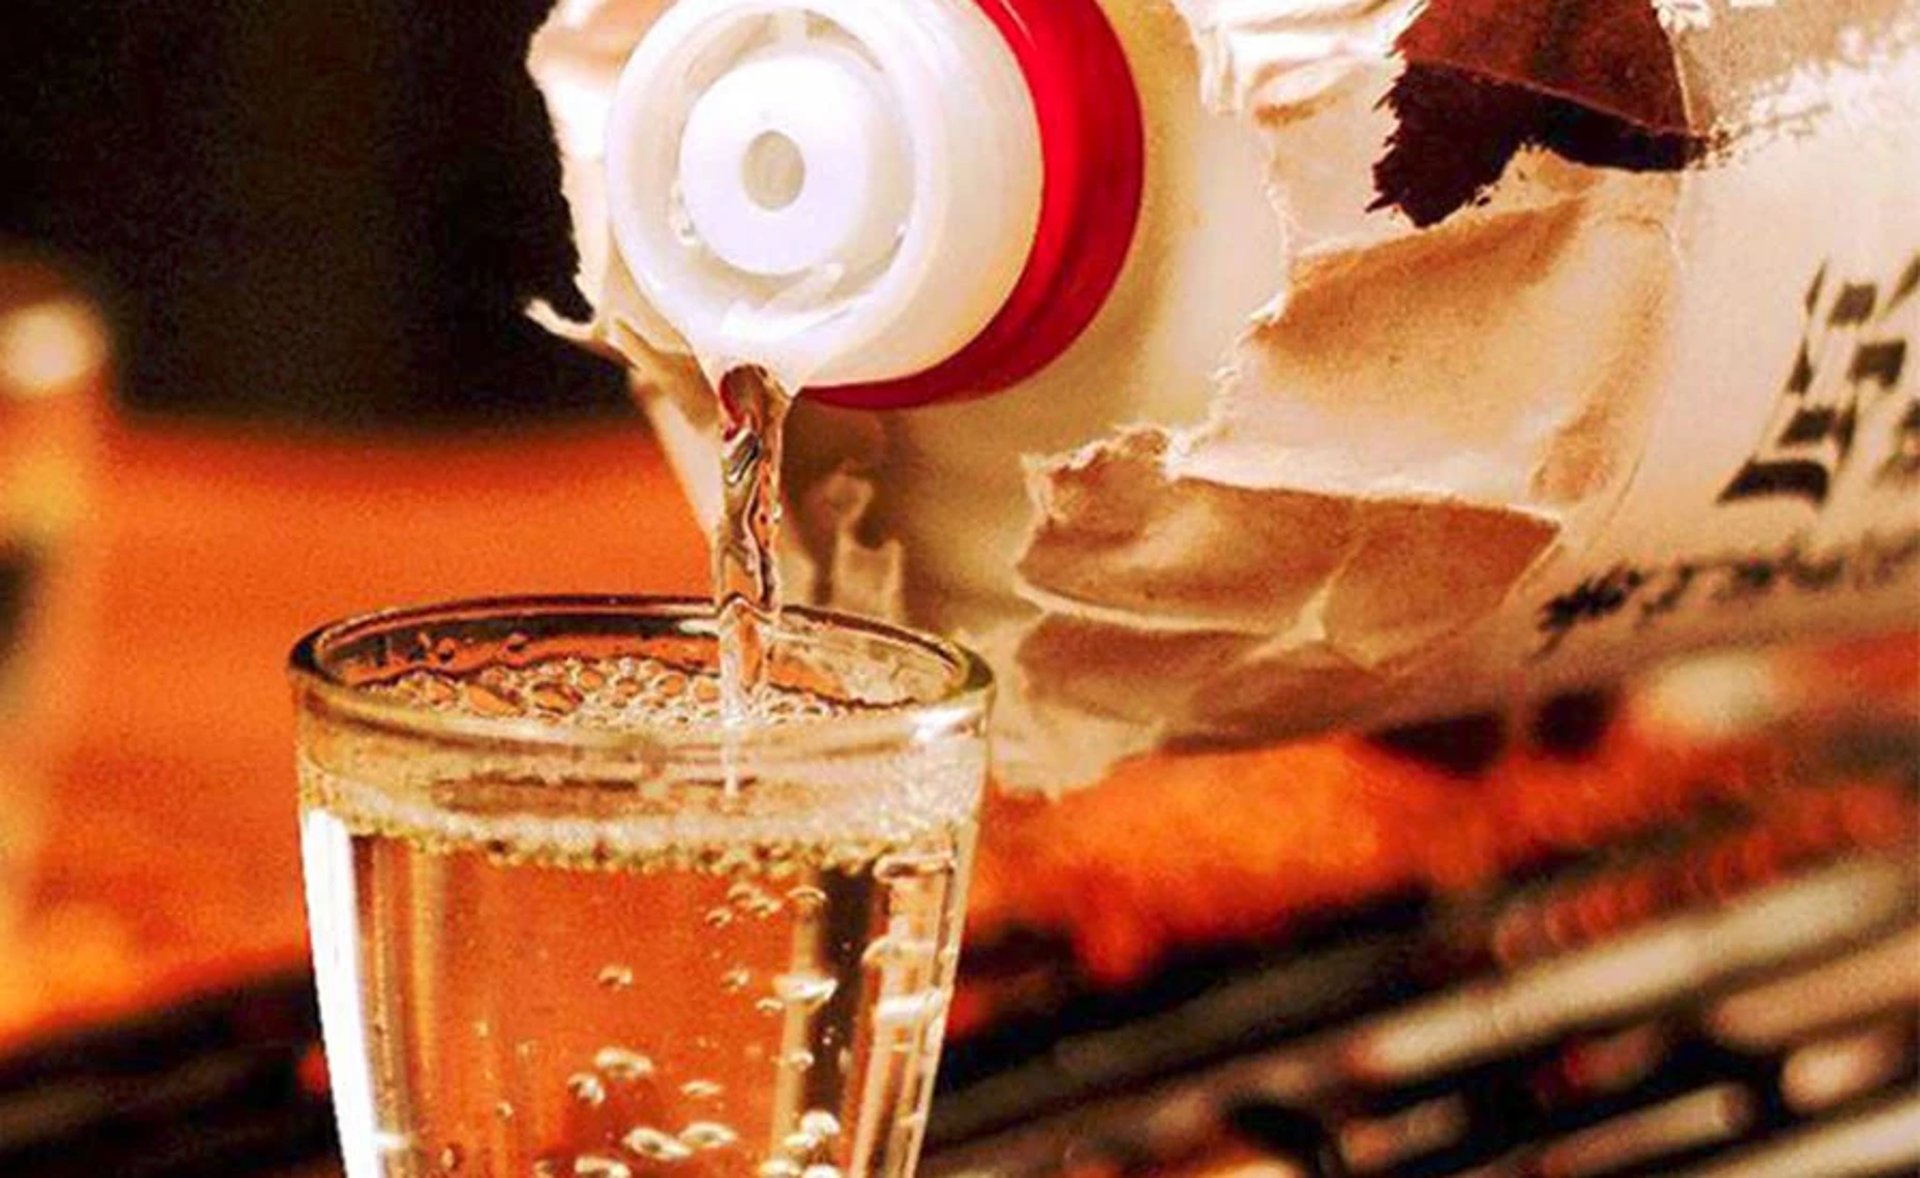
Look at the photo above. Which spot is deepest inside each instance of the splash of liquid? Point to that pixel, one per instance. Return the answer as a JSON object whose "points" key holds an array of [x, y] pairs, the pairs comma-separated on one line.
{"points": [[746, 577]]}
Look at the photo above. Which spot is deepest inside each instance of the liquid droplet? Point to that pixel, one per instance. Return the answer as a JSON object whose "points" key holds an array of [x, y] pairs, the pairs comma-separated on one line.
{"points": [[701, 1090], [820, 1124], [586, 1088], [708, 1135], [622, 1064], [655, 1146], [594, 1165], [616, 977]]}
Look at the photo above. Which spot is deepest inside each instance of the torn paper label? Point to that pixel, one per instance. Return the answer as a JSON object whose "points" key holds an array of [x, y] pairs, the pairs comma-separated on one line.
{"points": [[1461, 353]]}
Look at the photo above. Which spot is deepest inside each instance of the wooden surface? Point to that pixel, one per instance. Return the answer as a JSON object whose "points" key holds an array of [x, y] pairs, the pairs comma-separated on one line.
{"points": [[165, 858]]}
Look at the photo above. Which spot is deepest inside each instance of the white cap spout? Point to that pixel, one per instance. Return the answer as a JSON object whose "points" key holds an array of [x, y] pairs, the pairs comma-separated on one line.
{"points": [[841, 191]]}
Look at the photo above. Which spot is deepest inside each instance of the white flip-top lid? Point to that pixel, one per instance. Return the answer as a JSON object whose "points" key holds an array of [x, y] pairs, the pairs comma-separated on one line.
{"points": [[842, 191]]}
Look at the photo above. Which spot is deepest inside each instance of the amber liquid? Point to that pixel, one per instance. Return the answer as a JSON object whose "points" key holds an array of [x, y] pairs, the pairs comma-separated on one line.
{"points": [[746, 572], [503, 1007]]}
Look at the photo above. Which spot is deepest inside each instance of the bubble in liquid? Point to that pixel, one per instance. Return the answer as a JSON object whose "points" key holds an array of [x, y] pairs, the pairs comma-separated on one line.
{"points": [[736, 979], [622, 1064], [889, 950], [559, 699], [450, 1158], [718, 917], [807, 898], [656, 1146], [546, 1168], [596, 1165], [616, 977], [778, 1168], [503, 1110], [708, 1135], [586, 1088], [446, 650], [487, 701], [763, 907], [799, 1059], [769, 1006], [800, 1142], [701, 1090], [903, 866], [909, 1010], [820, 1124], [820, 1171], [803, 990]]}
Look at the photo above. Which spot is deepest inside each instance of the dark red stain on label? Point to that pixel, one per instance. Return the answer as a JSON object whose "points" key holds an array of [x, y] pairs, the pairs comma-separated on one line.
{"points": [[1594, 81]]}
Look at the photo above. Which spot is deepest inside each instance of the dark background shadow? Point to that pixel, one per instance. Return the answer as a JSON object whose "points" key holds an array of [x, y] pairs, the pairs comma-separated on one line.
{"points": [[323, 211]]}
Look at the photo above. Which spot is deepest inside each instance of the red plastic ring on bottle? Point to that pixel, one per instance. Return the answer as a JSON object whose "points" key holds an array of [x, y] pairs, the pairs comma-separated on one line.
{"points": [[1093, 150]]}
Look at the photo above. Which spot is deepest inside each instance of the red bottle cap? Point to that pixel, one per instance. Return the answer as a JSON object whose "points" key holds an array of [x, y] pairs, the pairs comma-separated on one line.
{"points": [[1092, 142]]}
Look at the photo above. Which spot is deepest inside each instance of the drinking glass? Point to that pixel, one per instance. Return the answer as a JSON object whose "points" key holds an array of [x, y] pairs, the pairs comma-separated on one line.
{"points": [[568, 919]]}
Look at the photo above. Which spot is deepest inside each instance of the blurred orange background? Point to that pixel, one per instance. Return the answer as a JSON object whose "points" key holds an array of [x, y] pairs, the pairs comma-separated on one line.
{"points": [[168, 860]]}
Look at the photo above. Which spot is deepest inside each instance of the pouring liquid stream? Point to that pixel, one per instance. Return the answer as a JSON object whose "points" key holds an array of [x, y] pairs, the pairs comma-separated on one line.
{"points": [[746, 577]]}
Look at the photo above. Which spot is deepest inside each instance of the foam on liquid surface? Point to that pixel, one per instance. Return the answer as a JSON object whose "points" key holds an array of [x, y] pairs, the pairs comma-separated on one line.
{"points": [[628, 692], [644, 813]]}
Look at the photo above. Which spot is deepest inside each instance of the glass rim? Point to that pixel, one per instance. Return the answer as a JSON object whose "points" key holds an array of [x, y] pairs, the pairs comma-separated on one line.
{"points": [[966, 695]]}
